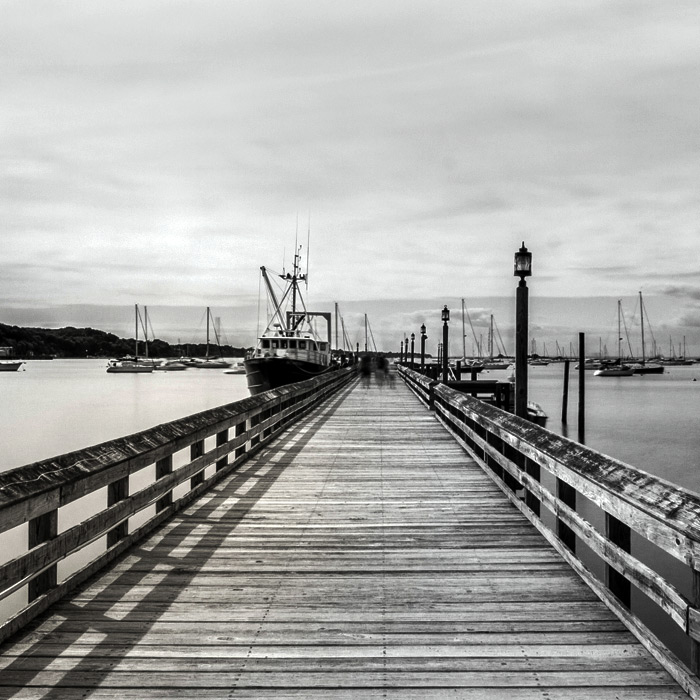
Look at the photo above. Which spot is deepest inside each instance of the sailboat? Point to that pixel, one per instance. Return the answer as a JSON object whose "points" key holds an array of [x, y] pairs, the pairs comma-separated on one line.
{"points": [[289, 349], [135, 364], [471, 364], [208, 362], [616, 369], [643, 367], [494, 362]]}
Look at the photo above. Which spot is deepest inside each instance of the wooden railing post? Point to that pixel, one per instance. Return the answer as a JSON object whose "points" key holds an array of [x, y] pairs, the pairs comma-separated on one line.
{"points": [[533, 503], [240, 430], [196, 450], [163, 468], [221, 439], [42, 529], [117, 491], [618, 533], [567, 495]]}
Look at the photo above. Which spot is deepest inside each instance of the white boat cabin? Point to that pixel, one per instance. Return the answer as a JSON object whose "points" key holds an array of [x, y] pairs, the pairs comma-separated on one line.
{"points": [[304, 349]]}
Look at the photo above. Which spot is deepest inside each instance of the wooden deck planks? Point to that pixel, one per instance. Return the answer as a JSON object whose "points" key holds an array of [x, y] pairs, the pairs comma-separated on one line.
{"points": [[363, 555]]}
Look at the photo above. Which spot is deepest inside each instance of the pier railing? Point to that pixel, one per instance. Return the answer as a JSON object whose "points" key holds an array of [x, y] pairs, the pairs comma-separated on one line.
{"points": [[535, 467], [119, 491]]}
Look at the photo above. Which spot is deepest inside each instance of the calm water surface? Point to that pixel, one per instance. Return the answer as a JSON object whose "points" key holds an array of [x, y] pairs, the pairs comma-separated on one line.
{"points": [[58, 406], [651, 422]]}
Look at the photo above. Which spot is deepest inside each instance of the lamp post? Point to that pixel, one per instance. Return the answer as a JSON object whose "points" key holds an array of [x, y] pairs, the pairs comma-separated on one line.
{"points": [[445, 352], [401, 354], [522, 269], [423, 336], [413, 350]]}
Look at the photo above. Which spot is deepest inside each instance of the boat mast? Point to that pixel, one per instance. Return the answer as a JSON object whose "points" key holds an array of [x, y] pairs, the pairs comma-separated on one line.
{"points": [[464, 335], [365, 332], [145, 331], [619, 331], [208, 312], [641, 316], [136, 334]]}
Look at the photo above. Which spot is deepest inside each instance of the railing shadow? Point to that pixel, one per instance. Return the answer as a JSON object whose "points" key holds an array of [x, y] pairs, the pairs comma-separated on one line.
{"points": [[31, 653]]}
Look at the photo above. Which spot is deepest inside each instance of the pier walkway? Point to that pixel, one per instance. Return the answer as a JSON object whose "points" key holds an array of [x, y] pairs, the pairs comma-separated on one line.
{"points": [[362, 555]]}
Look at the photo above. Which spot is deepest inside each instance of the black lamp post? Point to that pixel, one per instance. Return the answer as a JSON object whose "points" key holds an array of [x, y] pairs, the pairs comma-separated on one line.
{"points": [[423, 336], [413, 350], [523, 269], [401, 354], [445, 352]]}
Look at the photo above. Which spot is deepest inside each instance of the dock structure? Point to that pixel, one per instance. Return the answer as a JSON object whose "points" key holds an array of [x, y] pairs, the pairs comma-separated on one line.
{"points": [[363, 554]]}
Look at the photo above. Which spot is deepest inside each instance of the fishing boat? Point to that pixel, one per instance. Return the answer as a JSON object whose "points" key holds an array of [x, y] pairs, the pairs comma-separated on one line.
{"points": [[236, 368], [643, 367], [616, 368], [289, 349], [133, 364], [209, 362]]}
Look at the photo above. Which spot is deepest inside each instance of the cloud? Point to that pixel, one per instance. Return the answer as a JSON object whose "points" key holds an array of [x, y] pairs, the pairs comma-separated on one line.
{"points": [[162, 151], [682, 291]]}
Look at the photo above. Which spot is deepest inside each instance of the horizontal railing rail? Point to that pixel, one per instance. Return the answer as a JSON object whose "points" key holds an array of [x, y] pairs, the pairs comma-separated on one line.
{"points": [[515, 452], [34, 495]]}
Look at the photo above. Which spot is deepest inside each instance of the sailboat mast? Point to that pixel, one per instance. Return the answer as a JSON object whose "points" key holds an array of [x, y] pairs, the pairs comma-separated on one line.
{"points": [[145, 331], [464, 335], [619, 330], [208, 312], [641, 316], [136, 334], [365, 332]]}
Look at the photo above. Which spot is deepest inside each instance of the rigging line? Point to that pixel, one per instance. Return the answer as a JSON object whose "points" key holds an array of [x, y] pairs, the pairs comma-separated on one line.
{"points": [[473, 332], [308, 252], [627, 335], [651, 330], [503, 347], [371, 335]]}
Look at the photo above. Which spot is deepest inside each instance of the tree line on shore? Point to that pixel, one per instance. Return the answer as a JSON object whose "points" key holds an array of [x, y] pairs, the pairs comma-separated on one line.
{"points": [[69, 342]]}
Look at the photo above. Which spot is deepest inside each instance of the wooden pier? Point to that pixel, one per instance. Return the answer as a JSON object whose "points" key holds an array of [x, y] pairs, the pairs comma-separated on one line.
{"points": [[363, 554]]}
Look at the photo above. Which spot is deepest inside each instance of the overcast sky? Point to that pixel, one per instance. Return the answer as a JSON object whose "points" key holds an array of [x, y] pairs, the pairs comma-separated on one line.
{"points": [[160, 152]]}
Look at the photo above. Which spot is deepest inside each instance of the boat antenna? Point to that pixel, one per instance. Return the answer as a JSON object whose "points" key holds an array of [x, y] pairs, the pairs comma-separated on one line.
{"points": [[308, 251]]}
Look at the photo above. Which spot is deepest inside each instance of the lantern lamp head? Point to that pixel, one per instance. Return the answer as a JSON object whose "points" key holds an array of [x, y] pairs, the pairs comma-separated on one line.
{"points": [[523, 263], [413, 337], [445, 314], [422, 329]]}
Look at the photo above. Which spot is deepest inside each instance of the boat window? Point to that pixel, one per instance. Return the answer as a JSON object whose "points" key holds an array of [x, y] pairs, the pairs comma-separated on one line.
{"points": [[283, 344], [302, 345], [265, 344], [274, 344], [312, 344], [322, 347], [292, 344]]}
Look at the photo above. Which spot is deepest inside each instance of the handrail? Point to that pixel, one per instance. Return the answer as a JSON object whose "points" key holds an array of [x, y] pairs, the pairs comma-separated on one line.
{"points": [[513, 451], [35, 493]]}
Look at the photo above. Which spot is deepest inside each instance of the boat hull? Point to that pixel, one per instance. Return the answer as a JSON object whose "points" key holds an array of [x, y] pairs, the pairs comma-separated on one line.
{"points": [[649, 369], [10, 365], [614, 372], [265, 373], [210, 364]]}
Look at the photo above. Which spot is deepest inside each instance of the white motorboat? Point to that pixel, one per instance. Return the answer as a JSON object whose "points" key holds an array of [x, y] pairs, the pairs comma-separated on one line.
{"points": [[10, 365]]}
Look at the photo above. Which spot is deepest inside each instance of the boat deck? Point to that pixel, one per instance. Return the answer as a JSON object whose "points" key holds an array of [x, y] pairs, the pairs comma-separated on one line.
{"points": [[362, 555]]}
